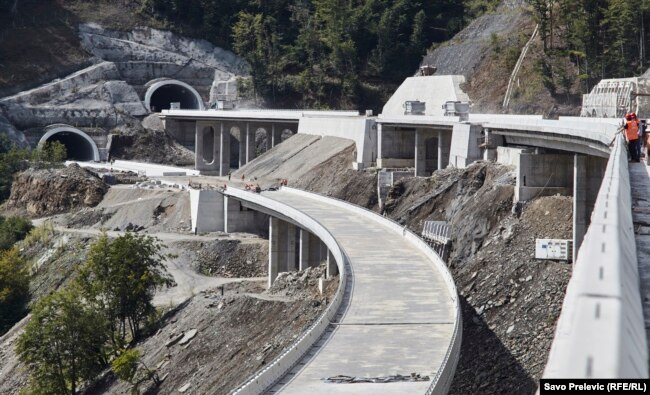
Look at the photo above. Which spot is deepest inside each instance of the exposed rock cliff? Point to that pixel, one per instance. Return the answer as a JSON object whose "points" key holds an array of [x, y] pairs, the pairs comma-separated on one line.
{"points": [[50, 191]]}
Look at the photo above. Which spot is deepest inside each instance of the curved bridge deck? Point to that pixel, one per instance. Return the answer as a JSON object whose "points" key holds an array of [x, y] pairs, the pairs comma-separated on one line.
{"points": [[398, 318]]}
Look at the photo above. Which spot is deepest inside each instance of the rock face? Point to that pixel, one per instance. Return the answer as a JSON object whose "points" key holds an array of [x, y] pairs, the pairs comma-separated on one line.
{"points": [[469, 47], [145, 54], [92, 97], [15, 136], [50, 191], [109, 94]]}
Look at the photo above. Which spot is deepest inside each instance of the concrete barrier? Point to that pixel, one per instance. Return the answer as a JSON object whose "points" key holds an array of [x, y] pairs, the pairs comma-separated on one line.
{"points": [[601, 331], [442, 380], [276, 369]]}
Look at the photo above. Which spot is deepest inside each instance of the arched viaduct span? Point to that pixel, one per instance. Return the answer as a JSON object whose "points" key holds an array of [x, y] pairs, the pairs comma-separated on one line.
{"points": [[396, 310]]}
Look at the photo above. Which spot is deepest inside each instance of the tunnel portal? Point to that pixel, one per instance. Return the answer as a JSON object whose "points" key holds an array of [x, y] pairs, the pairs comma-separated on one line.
{"points": [[79, 146], [160, 96]]}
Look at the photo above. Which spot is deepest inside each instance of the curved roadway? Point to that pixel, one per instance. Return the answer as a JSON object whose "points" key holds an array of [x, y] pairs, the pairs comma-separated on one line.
{"points": [[400, 315]]}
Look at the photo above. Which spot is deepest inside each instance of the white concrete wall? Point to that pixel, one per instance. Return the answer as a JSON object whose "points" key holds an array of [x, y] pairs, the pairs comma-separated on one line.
{"points": [[207, 211], [601, 331], [464, 145], [361, 130], [434, 90], [509, 156], [543, 175]]}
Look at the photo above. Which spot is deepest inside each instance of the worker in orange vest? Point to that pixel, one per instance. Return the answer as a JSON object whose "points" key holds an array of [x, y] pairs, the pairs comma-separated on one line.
{"points": [[631, 127]]}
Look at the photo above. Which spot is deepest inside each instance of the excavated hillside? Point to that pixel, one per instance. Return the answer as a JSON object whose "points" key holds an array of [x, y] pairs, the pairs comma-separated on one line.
{"points": [[41, 192], [510, 300]]}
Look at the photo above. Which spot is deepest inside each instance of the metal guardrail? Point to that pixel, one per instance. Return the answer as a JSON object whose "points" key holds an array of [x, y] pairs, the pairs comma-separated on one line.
{"points": [[601, 331]]}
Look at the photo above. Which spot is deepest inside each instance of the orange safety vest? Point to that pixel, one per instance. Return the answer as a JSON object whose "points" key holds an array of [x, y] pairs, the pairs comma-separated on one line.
{"points": [[632, 130]]}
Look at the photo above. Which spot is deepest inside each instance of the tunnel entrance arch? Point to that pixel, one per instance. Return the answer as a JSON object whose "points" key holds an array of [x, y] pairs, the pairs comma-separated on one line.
{"points": [[160, 95], [79, 146]]}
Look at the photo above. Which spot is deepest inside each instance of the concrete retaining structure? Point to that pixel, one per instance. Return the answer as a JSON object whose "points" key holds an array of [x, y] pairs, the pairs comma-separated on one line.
{"points": [[207, 211], [601, 331], [362, 130]]}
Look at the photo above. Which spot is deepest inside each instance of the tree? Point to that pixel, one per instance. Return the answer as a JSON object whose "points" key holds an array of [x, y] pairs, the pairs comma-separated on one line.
{"points": [[49, 154], [129, 367], [120, 278], [62, 345], [14, 288], [13, 229], [12, 160]]}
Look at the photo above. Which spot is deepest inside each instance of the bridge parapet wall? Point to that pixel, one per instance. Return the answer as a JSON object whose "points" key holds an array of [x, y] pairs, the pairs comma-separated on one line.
{"points": [[600, 332]]}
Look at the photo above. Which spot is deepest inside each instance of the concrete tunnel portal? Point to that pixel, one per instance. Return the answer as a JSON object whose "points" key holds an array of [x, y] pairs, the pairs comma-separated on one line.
{"points": [[79, 146], [160, 95]]}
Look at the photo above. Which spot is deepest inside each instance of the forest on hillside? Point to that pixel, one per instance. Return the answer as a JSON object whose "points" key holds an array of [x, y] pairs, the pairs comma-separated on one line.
{"points": [[340, 53], [323, 53], [601, 38]]}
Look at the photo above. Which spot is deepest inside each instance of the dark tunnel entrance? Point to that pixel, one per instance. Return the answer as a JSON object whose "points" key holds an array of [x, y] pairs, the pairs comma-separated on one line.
{"points": [[77, 147], [171, 93]]}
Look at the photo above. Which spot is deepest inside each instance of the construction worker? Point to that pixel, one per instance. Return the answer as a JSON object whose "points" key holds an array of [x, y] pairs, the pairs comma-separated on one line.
{"points": [[631, 128]]}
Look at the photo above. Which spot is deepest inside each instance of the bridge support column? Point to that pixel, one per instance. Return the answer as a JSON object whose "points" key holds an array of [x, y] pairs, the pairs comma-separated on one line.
{"points": [[250, 143], [303, 254], [224, 151], [276, 135], [310, 250], [464, 145], [238, 218], [491, 143], [332, 269], [425, 152], [282, 248], [291, 264], [588, 173], [243, 136], [395, 146], [274, 248], [207, 147], [444, 147], [543, 175]]}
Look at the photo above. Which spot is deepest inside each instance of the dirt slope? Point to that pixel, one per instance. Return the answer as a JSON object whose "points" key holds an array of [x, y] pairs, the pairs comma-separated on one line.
{"points": [[238, 333]]}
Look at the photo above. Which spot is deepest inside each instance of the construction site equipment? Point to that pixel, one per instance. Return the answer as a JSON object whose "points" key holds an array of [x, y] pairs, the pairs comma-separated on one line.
{"points": [[457, 109], [553, 249], [438, 235], [414, 107]]}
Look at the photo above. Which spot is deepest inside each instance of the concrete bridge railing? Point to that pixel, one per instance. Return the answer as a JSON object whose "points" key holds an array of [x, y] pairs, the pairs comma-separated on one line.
{"points": [[265, 378], [601, 332], [442, 380], [281, 365]]}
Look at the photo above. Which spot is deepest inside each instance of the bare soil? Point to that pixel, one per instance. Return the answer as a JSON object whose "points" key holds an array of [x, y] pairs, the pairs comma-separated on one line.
{"points": [[238, 334]]}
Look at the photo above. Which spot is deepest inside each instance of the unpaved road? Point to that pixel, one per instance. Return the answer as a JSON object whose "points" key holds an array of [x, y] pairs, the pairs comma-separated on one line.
{"points": [[188, 281]]}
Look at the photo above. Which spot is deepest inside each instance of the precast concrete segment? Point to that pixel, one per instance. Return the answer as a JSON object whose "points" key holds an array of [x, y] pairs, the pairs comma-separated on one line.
{"points": [[400, 315]]}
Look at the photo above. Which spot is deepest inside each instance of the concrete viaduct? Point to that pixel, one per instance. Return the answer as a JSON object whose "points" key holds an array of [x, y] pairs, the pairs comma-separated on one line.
{"points": [[602, 328]]}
